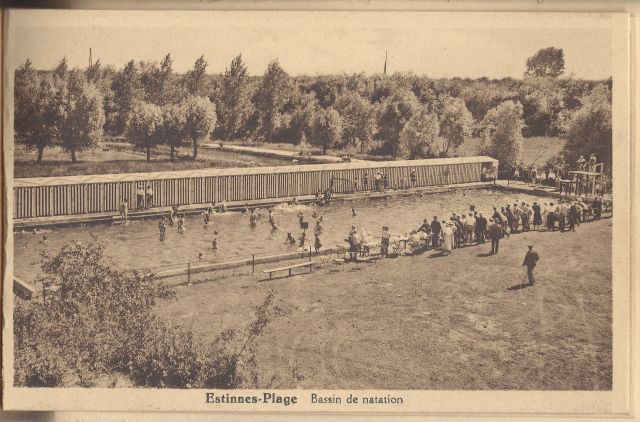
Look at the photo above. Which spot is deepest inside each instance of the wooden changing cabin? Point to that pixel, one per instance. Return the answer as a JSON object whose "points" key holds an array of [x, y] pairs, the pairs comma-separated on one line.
{"points": [[584, 182], [77, 195]]}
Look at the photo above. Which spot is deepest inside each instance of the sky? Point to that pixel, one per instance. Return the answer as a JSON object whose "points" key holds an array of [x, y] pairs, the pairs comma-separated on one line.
{"points": [[435, 45]]}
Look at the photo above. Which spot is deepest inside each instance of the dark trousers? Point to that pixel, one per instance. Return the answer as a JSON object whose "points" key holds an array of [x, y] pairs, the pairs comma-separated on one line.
{"points": [[530, 274], [140, 201], [495, 243], [435, 239]]}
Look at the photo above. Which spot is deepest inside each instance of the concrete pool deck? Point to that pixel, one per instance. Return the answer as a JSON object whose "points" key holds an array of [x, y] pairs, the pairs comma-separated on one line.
{"points": [[114, 217]]}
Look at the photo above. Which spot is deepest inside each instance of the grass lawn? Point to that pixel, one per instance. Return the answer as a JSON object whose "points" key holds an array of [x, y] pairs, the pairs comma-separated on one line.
{"points": [[123, 159], [430, 322], [536, 150]]}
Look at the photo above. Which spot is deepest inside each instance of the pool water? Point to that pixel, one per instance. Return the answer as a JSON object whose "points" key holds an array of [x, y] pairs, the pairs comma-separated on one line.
{"points": [[138, 245]]}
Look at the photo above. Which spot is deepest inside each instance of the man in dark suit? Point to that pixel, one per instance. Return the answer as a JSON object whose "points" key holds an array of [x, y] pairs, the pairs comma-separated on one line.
{"points": [[495, 232], [481, 226], [435, 232], [530, 261]]}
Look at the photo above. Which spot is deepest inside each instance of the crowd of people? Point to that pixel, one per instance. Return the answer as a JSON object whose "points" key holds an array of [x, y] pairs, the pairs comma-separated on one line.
{"points": [[476, 227]]}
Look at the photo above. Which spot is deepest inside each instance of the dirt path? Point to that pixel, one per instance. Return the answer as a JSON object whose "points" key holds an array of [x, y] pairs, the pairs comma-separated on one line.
{"points": [[428, 322]]}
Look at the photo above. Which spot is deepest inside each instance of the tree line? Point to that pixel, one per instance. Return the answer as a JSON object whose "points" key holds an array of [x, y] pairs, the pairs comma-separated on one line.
{"points": [[400, 115]]}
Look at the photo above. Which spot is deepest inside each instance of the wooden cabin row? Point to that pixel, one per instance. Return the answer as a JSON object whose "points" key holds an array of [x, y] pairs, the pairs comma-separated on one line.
{"points": [[74, 195]]}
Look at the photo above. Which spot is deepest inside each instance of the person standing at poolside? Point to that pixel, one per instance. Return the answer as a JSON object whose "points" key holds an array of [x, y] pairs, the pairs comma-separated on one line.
{"points": [[495, 233], [365, 182], [140, 197], [447, 238], [537, 215], [414, 178], [149, 194], [530, 261], [214, 241], [436, 227], [384, 244], [124, 210], [481, 227]]}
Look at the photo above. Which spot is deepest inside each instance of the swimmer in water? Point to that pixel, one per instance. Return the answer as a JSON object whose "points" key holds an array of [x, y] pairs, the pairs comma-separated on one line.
{"points": [[290, 240], [253, 218], [245, 209], [214, 241], [181, 225], [353, 212], [207, 219], [199, 255], [44, 237], [302, 238], [317, 244], [162, 227], [314, 215], [171, 221]]}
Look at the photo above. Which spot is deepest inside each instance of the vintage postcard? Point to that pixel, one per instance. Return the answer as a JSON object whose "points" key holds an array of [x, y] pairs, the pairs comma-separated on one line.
{"points": [[312, 212]]}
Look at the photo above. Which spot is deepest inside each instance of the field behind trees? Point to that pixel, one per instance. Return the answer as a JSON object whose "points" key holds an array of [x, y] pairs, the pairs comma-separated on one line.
{"points": [[545, 117]]}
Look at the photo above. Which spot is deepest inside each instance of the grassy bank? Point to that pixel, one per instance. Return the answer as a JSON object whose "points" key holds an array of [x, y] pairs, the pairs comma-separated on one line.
{"points": [[430, 322], [124, 159], [537, 150]]}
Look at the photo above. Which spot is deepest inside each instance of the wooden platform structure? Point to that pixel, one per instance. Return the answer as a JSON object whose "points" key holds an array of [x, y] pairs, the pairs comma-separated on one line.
{"points": [[584, 182], [89, 195]]}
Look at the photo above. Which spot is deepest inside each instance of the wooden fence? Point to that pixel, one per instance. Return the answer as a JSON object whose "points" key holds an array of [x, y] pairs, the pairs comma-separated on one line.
{"points": [[74, 195]]}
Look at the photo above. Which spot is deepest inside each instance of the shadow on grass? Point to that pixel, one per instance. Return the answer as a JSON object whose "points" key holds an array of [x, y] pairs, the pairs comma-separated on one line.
{"points": [[484, 254], [519, 286]]}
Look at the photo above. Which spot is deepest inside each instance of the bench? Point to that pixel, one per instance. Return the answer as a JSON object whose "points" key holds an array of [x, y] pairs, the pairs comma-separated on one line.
{"points": [[289, 267], [23, 289]]}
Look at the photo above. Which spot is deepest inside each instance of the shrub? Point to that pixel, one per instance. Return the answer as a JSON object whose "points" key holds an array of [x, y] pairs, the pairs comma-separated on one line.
{"points": [[95, 320]]}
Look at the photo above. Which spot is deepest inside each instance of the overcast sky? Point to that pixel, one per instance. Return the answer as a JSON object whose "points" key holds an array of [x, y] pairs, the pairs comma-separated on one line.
{"points": [[436, 45]]}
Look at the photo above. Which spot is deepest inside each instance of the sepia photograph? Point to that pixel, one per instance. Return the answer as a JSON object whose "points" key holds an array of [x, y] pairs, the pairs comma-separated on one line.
{"points": [[378, 202]]}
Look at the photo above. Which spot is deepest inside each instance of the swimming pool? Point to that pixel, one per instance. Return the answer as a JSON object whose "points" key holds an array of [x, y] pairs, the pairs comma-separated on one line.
{"points": [[138, 245]]}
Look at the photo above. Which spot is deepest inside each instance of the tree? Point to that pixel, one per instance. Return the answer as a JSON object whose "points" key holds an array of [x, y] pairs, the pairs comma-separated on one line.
{"points": [[589, 130], [455, 125], [46, 118], [83, 115], [127, 90], [174, 120], [60, 72], [326, 129], [358, 120], [419, 137], [271, 97], [195, 79], [546, 63], [302, 118], [155, 81], [200, 120], [397, 110], [234, 105], [502, 127], [144, 126]]}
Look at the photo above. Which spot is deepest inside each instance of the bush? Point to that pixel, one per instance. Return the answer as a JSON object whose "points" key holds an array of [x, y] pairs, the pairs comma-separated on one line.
{"points": [[97, 321]]}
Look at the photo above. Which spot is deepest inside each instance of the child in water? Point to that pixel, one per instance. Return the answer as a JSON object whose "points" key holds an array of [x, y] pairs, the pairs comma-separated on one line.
{"points": [[318, 245], [162, 227], [302, 238], [181, 225], [353, 212], [290, 240], [207, 219], [214, 241], [253, 218]]}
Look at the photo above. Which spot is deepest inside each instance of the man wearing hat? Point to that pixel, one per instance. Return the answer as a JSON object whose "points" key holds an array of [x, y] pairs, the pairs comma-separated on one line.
{"points": [[530, 261], [495, 232]]}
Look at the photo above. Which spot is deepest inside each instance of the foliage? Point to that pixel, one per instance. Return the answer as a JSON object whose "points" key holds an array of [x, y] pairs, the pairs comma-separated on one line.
{"points": [[502, 128], [589, 130], [274, 92], [547, 62], [419, 137], [144, 126], [359, 124], [397, 110], [127, 90], [195, 82], [234, 103], [155, 81], [200, 120], [174, 127], [326, 129], [97, 322], [82, 120], [456, 124]]}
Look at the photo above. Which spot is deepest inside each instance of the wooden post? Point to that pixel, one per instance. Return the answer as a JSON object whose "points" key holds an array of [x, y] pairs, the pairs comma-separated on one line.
{"points": [[189, 273]]}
